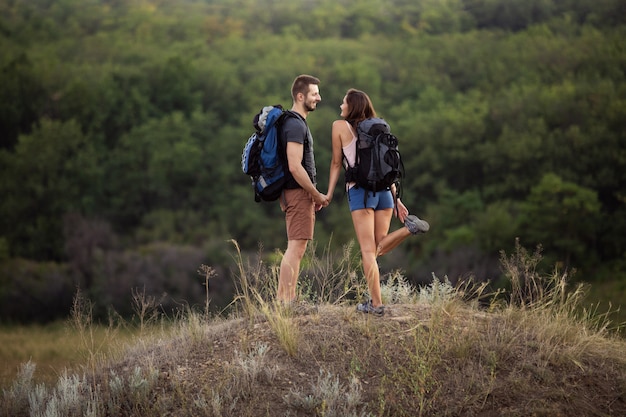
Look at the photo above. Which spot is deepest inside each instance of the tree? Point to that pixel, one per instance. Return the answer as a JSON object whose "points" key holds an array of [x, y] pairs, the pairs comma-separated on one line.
{"points": [[155, 166], [21, 98], [50, 173], [562, 217]]}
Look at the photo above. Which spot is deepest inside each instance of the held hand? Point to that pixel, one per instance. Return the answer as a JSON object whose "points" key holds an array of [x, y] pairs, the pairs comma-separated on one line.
{"points": [[321, 201]]}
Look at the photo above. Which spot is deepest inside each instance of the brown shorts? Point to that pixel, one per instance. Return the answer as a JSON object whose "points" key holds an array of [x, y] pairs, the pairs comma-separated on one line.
{"points": [[299, 209]]}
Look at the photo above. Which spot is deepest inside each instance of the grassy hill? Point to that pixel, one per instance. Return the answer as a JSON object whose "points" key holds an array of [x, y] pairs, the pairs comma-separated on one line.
{"points": [[438, 351]]}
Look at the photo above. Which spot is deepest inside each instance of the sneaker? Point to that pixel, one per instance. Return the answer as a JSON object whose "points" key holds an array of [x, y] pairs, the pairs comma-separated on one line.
{"points": [[416, 225], [369, 308]]}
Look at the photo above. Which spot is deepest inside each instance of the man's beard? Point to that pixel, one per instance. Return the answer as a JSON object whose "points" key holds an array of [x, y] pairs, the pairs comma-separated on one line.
{"points": [[309, 107]]}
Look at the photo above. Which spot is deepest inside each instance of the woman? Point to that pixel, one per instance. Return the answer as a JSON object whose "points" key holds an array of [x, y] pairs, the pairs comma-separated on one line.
{"points": [[372, 216]]}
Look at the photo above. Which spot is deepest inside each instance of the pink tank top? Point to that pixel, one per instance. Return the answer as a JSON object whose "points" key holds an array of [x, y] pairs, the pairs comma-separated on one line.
{"points": [[349, 151]]}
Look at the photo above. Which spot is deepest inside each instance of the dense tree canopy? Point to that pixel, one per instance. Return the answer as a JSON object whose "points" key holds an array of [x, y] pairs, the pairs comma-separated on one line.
{"points": [[124, 121]]}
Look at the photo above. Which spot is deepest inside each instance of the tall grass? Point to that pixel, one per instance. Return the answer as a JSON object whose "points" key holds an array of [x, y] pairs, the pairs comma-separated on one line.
{"points": [[538, 322], [544, 308], [323, 280]]}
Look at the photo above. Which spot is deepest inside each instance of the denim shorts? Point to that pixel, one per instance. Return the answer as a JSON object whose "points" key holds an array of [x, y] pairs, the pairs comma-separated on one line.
{"points": [[378, 200]]}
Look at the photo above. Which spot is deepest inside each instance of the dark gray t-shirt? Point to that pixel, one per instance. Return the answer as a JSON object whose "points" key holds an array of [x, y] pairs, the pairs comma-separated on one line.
{"points": [[296, 130]]}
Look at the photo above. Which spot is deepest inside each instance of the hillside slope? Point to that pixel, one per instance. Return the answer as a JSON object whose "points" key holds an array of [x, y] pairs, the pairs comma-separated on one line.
{"points": [[420, 359], [438, 351]]}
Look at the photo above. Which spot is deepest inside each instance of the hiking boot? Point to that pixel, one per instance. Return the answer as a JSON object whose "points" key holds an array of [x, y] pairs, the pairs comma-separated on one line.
{"points": [[369, 308], [415, 224]]}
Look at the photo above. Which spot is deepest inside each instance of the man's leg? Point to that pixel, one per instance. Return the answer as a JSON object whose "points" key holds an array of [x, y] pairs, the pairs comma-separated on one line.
{"points": [[289, 270]]}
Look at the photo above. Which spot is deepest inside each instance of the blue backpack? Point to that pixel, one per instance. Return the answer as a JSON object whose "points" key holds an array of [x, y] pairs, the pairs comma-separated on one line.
{"points": [[263, 156]]}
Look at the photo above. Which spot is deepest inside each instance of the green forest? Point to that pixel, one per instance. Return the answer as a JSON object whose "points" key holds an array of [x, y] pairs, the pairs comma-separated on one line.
{"points": [[122, 125]]}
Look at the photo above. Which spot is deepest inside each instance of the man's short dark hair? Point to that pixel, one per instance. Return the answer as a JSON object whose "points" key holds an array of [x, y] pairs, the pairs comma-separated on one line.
{"points": [[301, 84]]}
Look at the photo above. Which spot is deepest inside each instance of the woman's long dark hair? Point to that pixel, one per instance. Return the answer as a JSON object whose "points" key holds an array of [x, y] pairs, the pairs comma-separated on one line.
{"points": [[360, 106]]}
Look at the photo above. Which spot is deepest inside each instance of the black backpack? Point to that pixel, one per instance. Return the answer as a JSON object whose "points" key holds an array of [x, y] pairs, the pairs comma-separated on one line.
{"points": [[378, 162], [263, 157]]}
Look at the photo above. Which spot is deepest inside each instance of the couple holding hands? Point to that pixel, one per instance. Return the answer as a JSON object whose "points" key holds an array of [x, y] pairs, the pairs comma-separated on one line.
{"points": [[371, 213]]}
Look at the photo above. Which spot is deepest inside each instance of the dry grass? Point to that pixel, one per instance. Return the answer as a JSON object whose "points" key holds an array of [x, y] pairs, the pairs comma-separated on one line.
{"points": [[54, 348], [439, 351]]}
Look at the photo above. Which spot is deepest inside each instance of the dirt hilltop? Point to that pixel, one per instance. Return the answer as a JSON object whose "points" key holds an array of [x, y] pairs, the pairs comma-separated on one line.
{"points": [[419, 359]]}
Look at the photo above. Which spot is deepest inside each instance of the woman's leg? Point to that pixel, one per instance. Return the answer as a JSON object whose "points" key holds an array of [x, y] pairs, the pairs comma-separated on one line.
{"points": [[385, 243], [364, 226]]}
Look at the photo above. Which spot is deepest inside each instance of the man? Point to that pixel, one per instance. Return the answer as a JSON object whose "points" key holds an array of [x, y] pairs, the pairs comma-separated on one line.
{"points": [[300, 198]]}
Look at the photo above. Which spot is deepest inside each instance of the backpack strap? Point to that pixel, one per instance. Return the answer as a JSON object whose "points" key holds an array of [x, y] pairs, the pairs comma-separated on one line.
{"points": [[291, 114]]}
